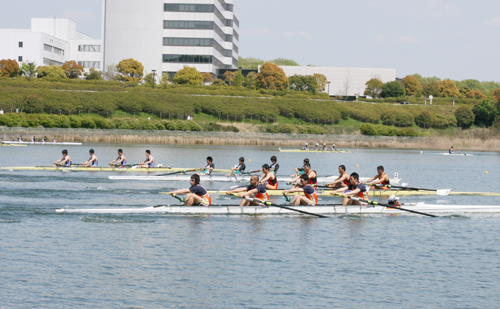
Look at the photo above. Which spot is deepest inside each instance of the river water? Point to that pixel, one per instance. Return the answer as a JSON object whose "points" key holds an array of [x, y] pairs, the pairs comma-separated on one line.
{"points": [[53, 260]]}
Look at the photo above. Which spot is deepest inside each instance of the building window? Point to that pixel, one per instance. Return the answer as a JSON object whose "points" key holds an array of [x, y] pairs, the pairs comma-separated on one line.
{"points": [[90, 64], [47, 61], [20, 44], [187, 24], [20, 59], [188, 58], [196, 8], [229, 7], [236, 21], [228, 53], [229, 22], [235, 62], [187, 42], [228, 38], [235, 48], [47, 47], [89, 48], [236, 35]]}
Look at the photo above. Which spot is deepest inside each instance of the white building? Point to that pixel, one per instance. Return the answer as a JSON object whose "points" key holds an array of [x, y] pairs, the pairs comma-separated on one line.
{"points": [[344, 81], [51, 41], [166, 35]]}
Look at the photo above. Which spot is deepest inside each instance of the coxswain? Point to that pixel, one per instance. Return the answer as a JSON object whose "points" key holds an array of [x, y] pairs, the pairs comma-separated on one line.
{"points": [[354, 189], [209, 168], [65, 160], [312, 176], [310, 198], [238, 169], [451, 151], [269, 179], [149, 162], [196, 194], [256, 189], [300, 170], [394, 201], [120, 161], [381, 177], [274, 167], [316, 147], [342, 180], [306, 147], [92, 161], [333, 148]]}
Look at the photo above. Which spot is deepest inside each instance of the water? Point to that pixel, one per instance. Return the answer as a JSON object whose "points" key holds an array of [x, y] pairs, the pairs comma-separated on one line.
{"points": [[162, 261]]}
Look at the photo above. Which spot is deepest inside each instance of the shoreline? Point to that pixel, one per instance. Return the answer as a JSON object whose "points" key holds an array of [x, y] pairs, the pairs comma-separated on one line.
{"points": [[250, 139]]}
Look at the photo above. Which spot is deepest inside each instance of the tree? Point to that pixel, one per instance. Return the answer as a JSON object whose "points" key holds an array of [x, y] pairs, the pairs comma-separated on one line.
{"points": [[188, 76], [29, 70], [431, 88], [93, 74], [238, 78], [33, 103], [465, 117], [229, 77], [208, 78], [72, 69], [111, 72], [475, 94], [9, 68], [130, 71], [250, 80], [282, 61], [321, 81], [496, 95], [373, 88], [253, 63], [426, 80], [392, 89], [219, 82], [346, 86], [484, 113], [424, 120], [303, 83], [149, 79], [271, 77], [412, 85], [51, 72], [448, 89]]}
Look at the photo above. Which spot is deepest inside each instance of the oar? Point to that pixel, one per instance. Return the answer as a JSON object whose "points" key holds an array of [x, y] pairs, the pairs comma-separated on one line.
{"points": [[179, 172], [250, 172], [181, 199], [438, 191], [386, 205], [269, 203]]}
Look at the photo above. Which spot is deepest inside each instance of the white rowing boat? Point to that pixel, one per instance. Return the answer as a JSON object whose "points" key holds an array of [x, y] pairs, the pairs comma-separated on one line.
{"points": [[259, 210], [315, 151], [448, 154], [41, 143], [179, 177]]}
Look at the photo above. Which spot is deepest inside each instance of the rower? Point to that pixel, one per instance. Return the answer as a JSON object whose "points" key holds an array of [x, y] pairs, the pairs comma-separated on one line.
{"points": [[306, 147], [65, 160], [238, 169], [44, 139], [269, 179], [209, 168], [333, 148], [149, 162], [33, 139], [451, 151], [92, 162], [382, 177], [120, 161], [324, 147], [342, 180], [300, 170], [394, 201], [54, 140], [310, 198], [274, 165], [355, 188], [316, 146], [196, 194], [20, 138], [256, 189], [312, 176]]}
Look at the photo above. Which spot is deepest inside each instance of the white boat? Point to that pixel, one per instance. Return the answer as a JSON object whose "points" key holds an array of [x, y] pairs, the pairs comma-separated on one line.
{"points": [[272, 210], [179, 177], [41, 143], [448, 154]]}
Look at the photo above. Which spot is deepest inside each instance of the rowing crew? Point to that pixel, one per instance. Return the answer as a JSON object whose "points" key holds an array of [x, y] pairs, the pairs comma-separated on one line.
{"points": [[317, 147], [121, 160]]}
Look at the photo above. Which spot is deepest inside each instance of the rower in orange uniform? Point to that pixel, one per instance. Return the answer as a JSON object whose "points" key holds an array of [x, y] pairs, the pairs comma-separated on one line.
{"points": [[310, 198], [381, 177], [342, 180], [312, 177], [255, 188], [269, 179], [196, 194], [355, 189]]}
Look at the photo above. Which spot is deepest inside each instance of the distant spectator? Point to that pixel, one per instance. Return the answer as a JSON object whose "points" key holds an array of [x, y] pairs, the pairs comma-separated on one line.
{"points": [[1, 111]]}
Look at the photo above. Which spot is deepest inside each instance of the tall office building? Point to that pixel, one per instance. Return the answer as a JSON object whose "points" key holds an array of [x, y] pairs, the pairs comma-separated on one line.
{"points": [[166, 35]]}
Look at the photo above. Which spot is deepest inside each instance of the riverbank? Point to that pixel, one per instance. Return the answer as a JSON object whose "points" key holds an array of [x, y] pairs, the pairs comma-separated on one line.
{"points": [[251, 139]]}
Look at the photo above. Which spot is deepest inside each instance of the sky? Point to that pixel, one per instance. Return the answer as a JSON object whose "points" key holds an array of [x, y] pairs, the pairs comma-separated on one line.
{"points": [[456, 39]]}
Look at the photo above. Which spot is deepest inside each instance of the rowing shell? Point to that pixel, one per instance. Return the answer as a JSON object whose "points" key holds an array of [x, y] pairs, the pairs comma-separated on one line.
{"points": [[258, 210], [102, 169], [448, 154], [312, 150], [41, 143], [1, 144], [383, 193]]}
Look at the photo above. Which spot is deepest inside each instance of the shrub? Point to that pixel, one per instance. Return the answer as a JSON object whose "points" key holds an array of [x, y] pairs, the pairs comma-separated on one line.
{"points": [[388, 119], [424, 120], [368, 129], [407, 132], [465, 117], [484, 113]]}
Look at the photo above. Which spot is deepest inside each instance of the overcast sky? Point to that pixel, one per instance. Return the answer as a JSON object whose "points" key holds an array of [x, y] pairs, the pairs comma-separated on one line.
{"points": [[457, 39]]}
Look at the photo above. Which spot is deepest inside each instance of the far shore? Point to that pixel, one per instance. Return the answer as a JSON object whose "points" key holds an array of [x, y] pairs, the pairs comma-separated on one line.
{"points": [[250, 139]]}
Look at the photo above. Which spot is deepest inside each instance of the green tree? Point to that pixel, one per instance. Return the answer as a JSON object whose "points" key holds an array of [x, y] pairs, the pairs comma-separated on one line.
{"points": [[208, 78], [412, 85], [465, 117], [431, 88], [475, 94], [219, 82], [93, 74], [33, 103], [250, 80], [188, 76], [496, 95], [321, 80], [253, 63], [229, 77], [286, 62], [448, 89], [426, 80], [72, 69], [130, 70], [373, 88], [51, 72], [29, 70], [271, 77], [424, 120], [238, 79], [9, 68], [484, 113], [392, 89], [303, 83]]}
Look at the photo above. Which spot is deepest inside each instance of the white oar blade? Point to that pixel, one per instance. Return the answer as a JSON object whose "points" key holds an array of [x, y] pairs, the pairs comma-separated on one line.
{"points": [[443, 192]]}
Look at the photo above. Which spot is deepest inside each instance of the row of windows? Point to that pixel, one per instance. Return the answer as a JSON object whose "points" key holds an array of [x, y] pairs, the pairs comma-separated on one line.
{"points": [[235, 62], [236, 35], [89, 48], [236, 21], [198, 8], [236, 49], [47, 61], [188, 24], [53, 49], [193, 59], [187, 42], [90, 64]]}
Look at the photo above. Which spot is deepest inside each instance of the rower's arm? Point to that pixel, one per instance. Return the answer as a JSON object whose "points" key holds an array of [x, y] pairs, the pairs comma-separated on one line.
{"points": [[340, 190], [180, 192], [353, 192], [295, 179], [265, 178], [250, 192], [293, 190], [237, 190], [371, 179]]}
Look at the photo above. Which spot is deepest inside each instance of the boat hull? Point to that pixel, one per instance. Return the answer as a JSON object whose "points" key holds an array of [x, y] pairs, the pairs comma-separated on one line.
{"points": [[314, 151], [41, 143]]}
